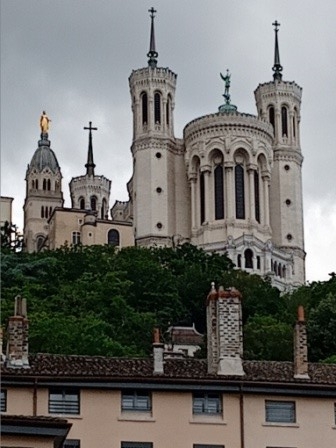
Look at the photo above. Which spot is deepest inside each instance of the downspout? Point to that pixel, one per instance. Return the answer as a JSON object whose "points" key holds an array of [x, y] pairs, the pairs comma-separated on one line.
{"points": [[35, 398], [242, 422]]}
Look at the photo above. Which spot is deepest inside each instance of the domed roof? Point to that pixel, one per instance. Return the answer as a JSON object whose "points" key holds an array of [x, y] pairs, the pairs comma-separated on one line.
{"points": [[44, 157]]}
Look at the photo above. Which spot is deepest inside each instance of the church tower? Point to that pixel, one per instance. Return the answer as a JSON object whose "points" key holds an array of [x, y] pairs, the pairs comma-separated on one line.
{"points": [[159, 184], [43, 191], [279, 102], [91, 192]]}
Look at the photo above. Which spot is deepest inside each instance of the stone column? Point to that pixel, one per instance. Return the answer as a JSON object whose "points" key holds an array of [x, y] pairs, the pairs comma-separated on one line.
{"points": [[230, 199], [278, 127], [206, 171], [266, 182], [250, 172], [193, 184]]}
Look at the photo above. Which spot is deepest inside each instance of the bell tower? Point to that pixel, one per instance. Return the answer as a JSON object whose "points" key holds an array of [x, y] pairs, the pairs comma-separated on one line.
{"points": [[43, 191], [279, 103], [159, 177]]}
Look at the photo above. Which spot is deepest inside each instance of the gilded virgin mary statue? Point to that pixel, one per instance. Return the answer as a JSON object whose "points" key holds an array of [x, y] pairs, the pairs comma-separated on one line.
{"points": [[44, 123]]}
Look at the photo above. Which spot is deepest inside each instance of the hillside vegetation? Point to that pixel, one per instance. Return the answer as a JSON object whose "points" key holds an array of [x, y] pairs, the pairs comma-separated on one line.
{"points": [[96, 301]]}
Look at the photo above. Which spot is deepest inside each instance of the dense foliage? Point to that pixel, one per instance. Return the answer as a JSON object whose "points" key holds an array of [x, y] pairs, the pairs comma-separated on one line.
{"points": [[95, 300]]}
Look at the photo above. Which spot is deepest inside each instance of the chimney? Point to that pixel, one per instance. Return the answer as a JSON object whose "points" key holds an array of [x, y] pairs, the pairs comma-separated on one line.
{"points": [[17, 336], [300, 346], [224, 332], [158, 353]]}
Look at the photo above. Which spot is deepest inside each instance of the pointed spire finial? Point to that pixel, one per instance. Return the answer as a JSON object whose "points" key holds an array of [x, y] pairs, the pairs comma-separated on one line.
{"points": [[277, 67], [90, 166], [152, 54]]}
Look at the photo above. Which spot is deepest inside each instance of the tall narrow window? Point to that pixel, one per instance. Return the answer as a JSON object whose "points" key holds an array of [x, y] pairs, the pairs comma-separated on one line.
{"points": [[76, 238], [157, 108], [42, 211], [240, 192], [44, 184], [39, 243], [49, 184], [3, 406], [36, 184], [219, 192], [248, 259], [144, 104], [239, 261], [93, 203], [46, 212], [202, 198], [33, 184], [284, 121], [82, 204], [256, 196], [271, 116], [103, 209], [168, 110]]}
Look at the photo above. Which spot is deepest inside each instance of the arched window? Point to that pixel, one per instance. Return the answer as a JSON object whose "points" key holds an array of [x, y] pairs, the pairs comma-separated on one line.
{"points": [[50, 210], [36, 184], [42, 212], [33, 184], [93, 203], [284, 271], [144, 105], [275, 268], [44, 184], [157, 108], [240, 192], [279, 270], [239, 261], [113, 237], [39, 243], [219, 192], [284, 121], [248, 258], [168, 110], [46, 212], [103, 209], [256, 196], [76, 238], [272, 265], [271, 116], [82, 203], [49, 184], [202, 198], [258, 262]]}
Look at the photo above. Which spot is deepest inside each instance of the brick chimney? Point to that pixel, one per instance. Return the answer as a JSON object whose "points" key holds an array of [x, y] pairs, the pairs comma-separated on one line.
{"points": [[225, 332], [158, 353], [17, 336], [300, 346]]}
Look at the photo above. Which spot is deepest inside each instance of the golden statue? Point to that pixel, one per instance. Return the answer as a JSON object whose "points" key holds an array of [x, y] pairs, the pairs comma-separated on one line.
{"points": [[44, 123]]}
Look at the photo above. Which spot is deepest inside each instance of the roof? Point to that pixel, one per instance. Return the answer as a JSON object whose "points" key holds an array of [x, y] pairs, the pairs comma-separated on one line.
{"points": [[44, 157], [191, 371]]}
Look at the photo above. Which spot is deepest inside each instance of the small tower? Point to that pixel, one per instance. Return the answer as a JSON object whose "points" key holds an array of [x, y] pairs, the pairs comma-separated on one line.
{"points": [[43, 191], [91, 192], [279, 102], [160, 190]]}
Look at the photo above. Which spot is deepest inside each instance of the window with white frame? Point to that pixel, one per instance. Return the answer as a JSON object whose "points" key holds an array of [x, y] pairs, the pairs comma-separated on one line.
{"points": [[63, 401], [280, 411], [3, 405], [205, 403], [136, 401], [76, 237], [136, 445]]}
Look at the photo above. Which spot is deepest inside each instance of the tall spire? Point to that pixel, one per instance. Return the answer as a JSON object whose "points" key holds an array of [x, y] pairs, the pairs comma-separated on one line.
{"points": [[90, 166], [152, 54], [277, 67]]}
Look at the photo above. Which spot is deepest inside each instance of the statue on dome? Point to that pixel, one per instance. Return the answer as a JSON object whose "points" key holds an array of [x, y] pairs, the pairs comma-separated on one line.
{"points": [[44, 123], [226, 79]]}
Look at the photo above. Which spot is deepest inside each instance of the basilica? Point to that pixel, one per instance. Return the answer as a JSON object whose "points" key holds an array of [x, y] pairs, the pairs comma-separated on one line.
{"points": [[232, 184]]}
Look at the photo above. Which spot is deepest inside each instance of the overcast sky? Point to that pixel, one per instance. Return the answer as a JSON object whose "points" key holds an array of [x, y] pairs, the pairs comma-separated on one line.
{"points": [[73, 58]]}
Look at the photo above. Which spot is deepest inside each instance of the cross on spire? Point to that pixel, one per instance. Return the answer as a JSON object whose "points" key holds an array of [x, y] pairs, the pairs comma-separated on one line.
{"points": [[277, 67], [90, 166], [152, 54]]}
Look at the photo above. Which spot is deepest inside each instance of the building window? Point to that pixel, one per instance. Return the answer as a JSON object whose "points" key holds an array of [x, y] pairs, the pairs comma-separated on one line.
{"points": [[39, 243], [248, 259], [280, 411], [42, 212], [44, 184], [219, 192], [76, 237], [113, 237], [204, 403], [256, 196], [136, 445], [258, 262], [82, 204], [157, 108], [136, 401], [104, 209], [49, 184], [144, 103], [71, 443], [284, 121], [3, 402], [335, 413], [201, 445], [63, 401], [271, 115], [36, 184], [168, 110], [202, 198], [240, 192], [239, 261], [93, 203]]}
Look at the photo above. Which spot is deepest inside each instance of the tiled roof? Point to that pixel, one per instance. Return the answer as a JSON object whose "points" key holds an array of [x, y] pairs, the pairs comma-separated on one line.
{"points": [[39, 419], [93, 368]]}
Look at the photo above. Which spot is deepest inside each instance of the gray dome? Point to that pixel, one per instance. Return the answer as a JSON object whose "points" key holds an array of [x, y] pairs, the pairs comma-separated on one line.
{"points": [[44, 157]]}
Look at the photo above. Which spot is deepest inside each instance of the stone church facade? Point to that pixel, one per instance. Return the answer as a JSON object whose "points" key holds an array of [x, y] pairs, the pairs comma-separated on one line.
{"points": [[231, 184]]}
